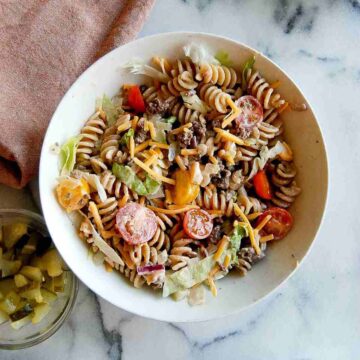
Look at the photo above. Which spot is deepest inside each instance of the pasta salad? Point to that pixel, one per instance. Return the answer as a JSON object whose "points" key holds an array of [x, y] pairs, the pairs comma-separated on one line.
{"points": [[183, 178]]}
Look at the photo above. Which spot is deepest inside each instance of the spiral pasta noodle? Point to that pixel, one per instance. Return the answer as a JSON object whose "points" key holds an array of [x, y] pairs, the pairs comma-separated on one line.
{"points": [[91, 133], [216, 98], [260, 88], [181, 83], [221, 75]]}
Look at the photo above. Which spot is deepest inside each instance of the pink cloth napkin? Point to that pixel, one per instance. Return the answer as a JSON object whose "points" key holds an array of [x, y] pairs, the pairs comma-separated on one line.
{"points": [[45, 45]]}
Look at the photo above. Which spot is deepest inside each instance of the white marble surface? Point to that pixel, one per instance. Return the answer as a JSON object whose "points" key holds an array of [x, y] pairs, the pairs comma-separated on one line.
{"points": [[316, 315]]}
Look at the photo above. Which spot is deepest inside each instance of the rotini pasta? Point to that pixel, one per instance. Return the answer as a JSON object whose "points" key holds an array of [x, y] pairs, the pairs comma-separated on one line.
{"points": [[186, 181]]}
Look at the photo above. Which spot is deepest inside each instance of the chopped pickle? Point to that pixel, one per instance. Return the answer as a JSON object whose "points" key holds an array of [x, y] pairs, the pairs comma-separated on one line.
{"points": [[18, 324], [49, 283], [32, 273], [6, 285], [38, 262], [59, 283], [20, 280], [10, 302], [31, 244], [12, 233], [25, 310], [32, 292], [48, 296], [53, 263], [40, 311], [9, 267]]}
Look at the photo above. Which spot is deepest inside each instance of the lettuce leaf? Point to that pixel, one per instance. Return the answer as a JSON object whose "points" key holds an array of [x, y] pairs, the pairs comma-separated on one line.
{"points": [[192, 274], [195, 103], [223, 58], [138, 67], [151, 185], [111, 111], [265, 155], [160, 127], [170, 120], [126, 137], [68, 155], [127, 175], [248, 65], [199, 54], [235, 241]]}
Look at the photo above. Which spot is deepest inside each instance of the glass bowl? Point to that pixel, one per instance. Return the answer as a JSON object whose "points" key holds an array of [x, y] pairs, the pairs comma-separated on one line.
{"points": [[32, 334]]}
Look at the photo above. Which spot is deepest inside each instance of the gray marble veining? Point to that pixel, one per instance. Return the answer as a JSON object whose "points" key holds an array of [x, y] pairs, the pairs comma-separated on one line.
{"points": [[315, 315]]}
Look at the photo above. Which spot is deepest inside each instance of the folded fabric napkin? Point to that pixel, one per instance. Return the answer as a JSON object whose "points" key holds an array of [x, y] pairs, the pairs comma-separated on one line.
{"points": [[45, 45]]}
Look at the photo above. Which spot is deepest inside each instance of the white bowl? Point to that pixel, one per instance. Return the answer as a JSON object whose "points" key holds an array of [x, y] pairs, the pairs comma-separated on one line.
{"points": [[235, 293]]}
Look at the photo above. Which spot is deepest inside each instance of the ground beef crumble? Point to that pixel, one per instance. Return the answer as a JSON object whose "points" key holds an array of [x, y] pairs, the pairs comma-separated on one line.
{"points": [[140, 133]]}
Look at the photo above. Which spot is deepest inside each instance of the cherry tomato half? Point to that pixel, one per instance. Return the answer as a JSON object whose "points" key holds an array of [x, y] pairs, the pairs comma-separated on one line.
{"points": [[280, 223], [198, 224], [136, 223], [262, 186], [135, 99], [251, 112]]}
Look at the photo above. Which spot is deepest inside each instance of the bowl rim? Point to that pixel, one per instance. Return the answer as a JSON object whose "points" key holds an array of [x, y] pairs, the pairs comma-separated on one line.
{"points": [[159, 36], [63, 316]]}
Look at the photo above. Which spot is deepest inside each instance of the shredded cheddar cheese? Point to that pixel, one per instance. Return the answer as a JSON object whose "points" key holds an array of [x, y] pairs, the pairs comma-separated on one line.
{"points": [[154, 174], [189, 152], [142, 146], [212, 285], [283, 107], [224, 134], [266, 238], [263, 223], [227, 261], [215, 212], [168, 196], [108, 234], [174, 211], [151, 160], [235, 112], [213, 159], [159, 145], [123, 200], [152, 130], [95, 213], [222, 246], [253, 241], [132, 147], [180, 129], [253, 216], [134, 122], [214, 270], [180, 162], [275, 84]]}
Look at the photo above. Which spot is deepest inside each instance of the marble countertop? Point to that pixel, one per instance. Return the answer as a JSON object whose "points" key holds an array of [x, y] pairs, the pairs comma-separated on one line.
{"points": [[316, 314]]}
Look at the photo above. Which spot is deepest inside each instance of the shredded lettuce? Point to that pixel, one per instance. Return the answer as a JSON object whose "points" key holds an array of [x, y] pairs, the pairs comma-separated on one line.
{"points": [[138, 67], [193, 274], [68, 155], [235, 241], [223, 58], [110, 109], [151, 185], [126, 137], [199, 54], [161, 126], [127, 175], [265, 155], [107, 250], [195, 103], [170, 120], [94, 181], [248, 65]]}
